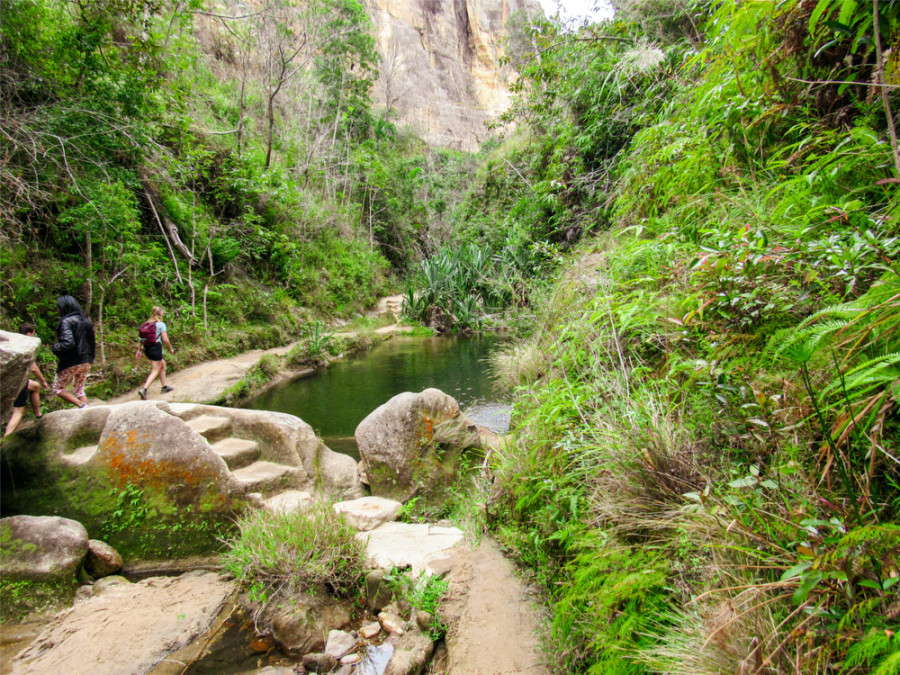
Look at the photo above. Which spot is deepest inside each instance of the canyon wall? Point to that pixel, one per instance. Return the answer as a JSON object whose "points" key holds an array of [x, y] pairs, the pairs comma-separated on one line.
{"points": [[440, 70]]}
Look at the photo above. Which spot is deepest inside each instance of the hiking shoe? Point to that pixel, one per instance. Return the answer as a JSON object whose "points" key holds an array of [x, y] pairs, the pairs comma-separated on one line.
{"points": [[166, 389], [143, 394]]}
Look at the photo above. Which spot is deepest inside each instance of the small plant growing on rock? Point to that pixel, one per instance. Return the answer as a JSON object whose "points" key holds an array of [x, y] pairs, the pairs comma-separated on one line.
{"points": [[423, 594], [290, 553]]}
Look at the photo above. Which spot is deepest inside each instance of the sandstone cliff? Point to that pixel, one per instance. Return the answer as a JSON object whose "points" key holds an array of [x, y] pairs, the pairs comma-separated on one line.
{"points": [[440, 67]]}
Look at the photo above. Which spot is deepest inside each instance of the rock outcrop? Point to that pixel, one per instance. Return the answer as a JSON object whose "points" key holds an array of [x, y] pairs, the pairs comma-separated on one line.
{"points": [[138, 472], [411, 444], [17, 353], [126, 628], [440, 68]]}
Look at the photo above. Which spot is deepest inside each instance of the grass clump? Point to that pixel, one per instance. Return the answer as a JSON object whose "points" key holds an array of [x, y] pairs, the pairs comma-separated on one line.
{"points": [[423, 594], [286, 554]]}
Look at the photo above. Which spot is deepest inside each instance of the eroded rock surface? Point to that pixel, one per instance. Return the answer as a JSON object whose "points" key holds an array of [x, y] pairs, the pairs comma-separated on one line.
{"points": [[128, 628], [411, 444], [134, 473], [409, 545], [440, 70]]}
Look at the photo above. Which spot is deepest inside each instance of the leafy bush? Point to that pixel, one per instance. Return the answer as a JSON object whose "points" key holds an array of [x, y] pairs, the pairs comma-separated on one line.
{"points": [[288, 553]]}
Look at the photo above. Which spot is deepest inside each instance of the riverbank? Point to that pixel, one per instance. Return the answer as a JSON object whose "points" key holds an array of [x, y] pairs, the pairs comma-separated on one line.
{"points": [[211, 381]]}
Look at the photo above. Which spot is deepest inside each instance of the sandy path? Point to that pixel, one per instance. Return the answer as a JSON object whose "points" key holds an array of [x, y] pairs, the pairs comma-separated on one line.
{"points": [[492, 617], [207, 382]]}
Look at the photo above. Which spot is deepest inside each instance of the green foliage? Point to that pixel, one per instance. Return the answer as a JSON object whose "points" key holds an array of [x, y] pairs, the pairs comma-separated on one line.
{"points": [[607, 608], [131, 510], [423, 594], [288, 553]]}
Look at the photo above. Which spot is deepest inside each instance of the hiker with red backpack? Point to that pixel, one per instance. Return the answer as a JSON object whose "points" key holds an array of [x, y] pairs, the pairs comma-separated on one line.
{"points": [[152, 334]]}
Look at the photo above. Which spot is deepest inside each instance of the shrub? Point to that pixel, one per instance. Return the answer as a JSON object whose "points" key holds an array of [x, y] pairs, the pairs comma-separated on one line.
{"points": [[290, 553]]}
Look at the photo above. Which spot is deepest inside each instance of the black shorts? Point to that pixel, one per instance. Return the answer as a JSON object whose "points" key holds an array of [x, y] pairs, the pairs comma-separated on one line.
{"points": [[22, 398], [153, 351]]}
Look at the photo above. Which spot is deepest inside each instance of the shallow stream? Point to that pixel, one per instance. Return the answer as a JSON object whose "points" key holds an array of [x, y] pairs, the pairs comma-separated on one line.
{"points": [[334, 401]]}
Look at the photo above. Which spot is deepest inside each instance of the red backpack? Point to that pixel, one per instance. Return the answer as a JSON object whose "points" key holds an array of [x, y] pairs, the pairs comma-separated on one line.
{"points": [[147, 333]]}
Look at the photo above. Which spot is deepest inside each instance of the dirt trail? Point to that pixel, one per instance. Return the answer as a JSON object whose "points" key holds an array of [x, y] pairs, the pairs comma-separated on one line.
{"points": [[492, 617]]}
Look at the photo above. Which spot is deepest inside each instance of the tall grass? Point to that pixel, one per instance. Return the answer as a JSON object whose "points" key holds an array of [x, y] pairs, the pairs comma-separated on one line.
{"points": [[281, 554]]}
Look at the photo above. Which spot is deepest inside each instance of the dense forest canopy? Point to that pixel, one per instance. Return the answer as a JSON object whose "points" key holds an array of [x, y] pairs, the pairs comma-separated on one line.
{"points": [[689, 215]]}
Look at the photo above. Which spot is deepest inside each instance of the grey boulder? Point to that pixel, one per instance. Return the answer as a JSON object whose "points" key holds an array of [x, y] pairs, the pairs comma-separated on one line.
{"points": [[41, 548]]}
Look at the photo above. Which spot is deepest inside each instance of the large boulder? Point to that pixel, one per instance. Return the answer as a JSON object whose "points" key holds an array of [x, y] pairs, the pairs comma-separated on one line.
{"points": [[17, 353], [41, 548], [411, 444], [136, 472], [132, 474]]}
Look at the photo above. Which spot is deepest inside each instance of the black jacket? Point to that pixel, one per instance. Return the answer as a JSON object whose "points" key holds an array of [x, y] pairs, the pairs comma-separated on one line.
{"points": [[75, 337]]}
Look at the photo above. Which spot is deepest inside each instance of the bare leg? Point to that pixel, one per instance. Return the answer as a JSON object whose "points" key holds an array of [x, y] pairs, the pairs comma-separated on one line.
{"points": [[155, 367], [14, 420], [71, 398], [34, 392], [162, 373]]}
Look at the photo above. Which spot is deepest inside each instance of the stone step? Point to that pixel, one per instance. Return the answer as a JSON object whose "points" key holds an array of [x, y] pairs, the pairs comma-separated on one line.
{"points": [[288, 501], [237, 452], [79, 456], [267, 477], [211, 427]]}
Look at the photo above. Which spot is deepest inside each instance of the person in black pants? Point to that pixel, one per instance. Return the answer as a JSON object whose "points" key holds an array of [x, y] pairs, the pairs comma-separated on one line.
{"points": [[153, 334], [31, 390]]}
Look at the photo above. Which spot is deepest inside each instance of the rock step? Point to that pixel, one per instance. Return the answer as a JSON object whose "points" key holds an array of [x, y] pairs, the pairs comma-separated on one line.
{"points": [[267, 476], [79, 456], [211, 427], [237, 452], [288, 501]]}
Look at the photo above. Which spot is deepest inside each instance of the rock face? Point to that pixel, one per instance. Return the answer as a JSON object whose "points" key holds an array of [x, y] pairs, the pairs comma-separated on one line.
{"points": [[41, 548], [127, 628], [440, 65], [411, 444], [16, 356], [137, 472]]}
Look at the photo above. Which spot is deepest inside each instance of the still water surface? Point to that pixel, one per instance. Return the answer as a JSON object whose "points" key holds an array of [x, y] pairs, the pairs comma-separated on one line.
{"points": [[336, 400]]}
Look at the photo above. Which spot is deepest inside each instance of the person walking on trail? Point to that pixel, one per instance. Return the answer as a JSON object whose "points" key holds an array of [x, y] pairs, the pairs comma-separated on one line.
{"points": [[152, 334], [74, 350], [31, 391]]}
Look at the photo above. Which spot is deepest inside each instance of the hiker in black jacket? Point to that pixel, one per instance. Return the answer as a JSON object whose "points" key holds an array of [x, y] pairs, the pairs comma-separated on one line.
{"points": [[74, 349]]}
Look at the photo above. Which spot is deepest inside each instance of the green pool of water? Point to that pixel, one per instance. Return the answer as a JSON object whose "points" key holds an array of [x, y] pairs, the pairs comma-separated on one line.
{"points": [[336, 400]]}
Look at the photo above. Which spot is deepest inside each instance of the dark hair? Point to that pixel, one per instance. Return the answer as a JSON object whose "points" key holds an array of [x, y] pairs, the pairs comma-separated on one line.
{"points": [[26, 328], [67, 305]]}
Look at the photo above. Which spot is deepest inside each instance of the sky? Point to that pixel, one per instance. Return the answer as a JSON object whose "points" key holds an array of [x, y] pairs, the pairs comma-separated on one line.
{"points": [[596, 10]]}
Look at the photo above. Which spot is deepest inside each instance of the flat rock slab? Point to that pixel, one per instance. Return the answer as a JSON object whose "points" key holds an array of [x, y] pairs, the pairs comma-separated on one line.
{"points": [[128, 628], [367, 513], [410, 544]]}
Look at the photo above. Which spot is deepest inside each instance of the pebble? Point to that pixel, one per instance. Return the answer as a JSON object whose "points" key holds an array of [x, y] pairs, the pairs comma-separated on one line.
{"points": [[392, 623], [370, 630], [350, 659], [339, 643]]}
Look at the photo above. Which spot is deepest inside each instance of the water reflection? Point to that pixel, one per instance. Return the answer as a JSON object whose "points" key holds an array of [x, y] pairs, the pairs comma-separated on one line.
{"points": [[336, 400]]}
